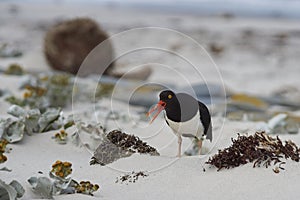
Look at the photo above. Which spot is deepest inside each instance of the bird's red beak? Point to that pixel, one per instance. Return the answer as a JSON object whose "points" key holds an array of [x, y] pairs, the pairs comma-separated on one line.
{"points": [[158, 108]]}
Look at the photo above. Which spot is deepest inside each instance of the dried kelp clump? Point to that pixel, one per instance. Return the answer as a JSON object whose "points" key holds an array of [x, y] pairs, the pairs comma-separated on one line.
{"points": [[132, 177], [130, 143], [259, 148], [117, 145]]}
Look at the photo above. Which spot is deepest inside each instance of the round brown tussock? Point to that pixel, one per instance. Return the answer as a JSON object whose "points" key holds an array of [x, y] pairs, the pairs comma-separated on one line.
{"points": [[68, 43]]}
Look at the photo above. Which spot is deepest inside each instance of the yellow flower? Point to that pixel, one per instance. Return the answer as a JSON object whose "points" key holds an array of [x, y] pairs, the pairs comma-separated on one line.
{"points": [[3, 158], [67, 164], [27, 94]]}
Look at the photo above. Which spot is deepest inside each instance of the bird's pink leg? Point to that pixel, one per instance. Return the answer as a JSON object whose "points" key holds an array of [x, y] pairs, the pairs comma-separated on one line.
{"points": [[199, 142], [179, 146]]}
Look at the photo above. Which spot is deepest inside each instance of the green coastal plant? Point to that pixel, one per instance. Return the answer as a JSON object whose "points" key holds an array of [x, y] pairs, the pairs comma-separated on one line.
{"points": [[11, 191], [3, 144], [43, 91], [31, 122], [60, 182]]}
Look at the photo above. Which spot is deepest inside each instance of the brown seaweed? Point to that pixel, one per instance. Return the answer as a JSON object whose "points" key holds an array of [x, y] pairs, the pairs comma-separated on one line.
{"points": [[117, 144], [259, 149], [132, 177]]}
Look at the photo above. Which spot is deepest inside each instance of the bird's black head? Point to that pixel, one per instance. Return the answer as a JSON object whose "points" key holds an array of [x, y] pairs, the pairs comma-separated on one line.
{"points": [[179, 107], [167, 101], [167, 97]]}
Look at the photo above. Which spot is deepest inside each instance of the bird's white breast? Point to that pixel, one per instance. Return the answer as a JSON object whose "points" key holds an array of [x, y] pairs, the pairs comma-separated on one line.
{"points": [[192, 126]]}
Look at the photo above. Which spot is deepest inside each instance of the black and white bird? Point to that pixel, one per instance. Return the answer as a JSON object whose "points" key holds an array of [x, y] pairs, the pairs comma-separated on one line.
{"points": [[185, 115]]}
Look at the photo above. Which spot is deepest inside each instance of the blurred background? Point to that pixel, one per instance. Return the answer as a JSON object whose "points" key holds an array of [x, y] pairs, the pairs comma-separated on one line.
{"points": [[245, 38], [254, 44]]}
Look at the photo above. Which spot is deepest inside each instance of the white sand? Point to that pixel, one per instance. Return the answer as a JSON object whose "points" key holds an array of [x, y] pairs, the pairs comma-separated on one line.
{"points": [[253, 67]]}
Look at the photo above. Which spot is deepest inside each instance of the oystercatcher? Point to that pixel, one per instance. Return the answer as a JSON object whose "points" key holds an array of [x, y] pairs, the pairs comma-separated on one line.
{"points": [[185, 115]]}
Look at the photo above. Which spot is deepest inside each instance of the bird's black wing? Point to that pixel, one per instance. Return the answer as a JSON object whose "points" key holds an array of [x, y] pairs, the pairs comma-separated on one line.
{"points": [[205, 120]]}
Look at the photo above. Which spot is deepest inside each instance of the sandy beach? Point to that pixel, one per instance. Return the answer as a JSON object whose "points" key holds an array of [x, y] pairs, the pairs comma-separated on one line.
{"points": [[251, 56]]}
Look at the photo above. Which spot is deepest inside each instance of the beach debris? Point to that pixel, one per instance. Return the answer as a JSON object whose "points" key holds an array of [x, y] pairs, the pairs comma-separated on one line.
{"points": [[14, 69], [60, 182], [281, 38], [260, 108], [259, 149], [12, 191], [140, 93], [276, 170], [30, 122], [274, 122], [270, 122], [277, 120], [137, 74], [227, 15], [3, 144], [61, 137], [95, 133], [292, 127], [282, 101], [68, 43], [247, 103], [131, 177], [145, 94], [116, 145], [9, 50], [279, 124], [5, 169], [286, 96], [241, 115], [287, 92], [216, 49]]}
